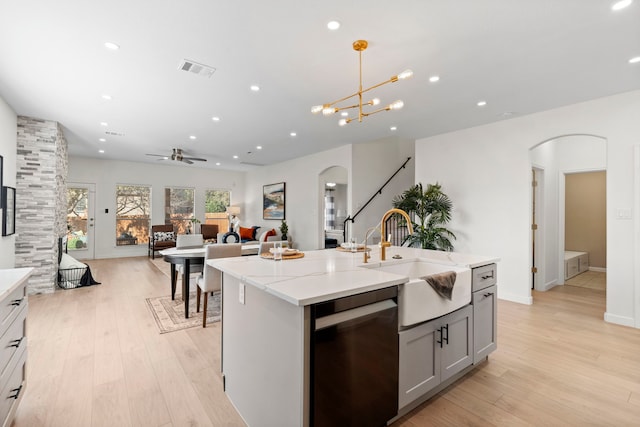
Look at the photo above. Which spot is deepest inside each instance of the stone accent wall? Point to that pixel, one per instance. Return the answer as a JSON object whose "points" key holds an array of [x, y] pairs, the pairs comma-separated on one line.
{"points": [[41, 165]]}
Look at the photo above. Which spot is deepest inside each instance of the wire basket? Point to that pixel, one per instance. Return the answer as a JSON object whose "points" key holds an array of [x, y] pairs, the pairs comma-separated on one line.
{"points": [[69, 278]]}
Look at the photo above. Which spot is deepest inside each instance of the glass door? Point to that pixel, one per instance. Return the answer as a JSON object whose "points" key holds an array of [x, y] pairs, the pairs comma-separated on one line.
{"points": [[80, 220]]}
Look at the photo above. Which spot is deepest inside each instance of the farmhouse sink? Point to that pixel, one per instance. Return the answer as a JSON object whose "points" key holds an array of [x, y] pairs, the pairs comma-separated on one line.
{"points": [[417, 301]]}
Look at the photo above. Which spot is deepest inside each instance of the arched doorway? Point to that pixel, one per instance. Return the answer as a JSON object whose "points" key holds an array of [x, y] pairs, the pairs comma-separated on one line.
{"points": [[333, 189], [552, 162]]}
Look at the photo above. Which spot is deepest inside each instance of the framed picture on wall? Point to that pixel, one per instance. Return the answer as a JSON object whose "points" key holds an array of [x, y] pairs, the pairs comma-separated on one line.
{"points": [[273, 201], [9, 214]]}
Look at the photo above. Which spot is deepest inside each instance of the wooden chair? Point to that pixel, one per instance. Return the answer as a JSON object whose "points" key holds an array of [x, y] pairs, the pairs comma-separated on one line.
{"points": [[158, 245], [211, 278], [209, 231]]}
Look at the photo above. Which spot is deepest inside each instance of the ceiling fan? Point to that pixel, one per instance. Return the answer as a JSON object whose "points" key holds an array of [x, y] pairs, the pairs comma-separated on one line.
{"points": [[178, 156]]}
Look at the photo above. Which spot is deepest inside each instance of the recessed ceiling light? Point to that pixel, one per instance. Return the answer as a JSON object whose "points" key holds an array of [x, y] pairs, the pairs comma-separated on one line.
{"points": [[235, 156], [192, 137], [111, 46], [258, 147], [481, 103], [215, 118], [393, 128], [102, 140], [293, 134], [101, 151], [255, 88], [104, 124], [434, 79], [634, 60], [344, 114], [331, 184], [621, 4], [106, 97], [217, 163], [333, 25]]}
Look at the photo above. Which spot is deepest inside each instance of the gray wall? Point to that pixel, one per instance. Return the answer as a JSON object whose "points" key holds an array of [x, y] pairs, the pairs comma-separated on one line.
{"points": [[41, 165]]}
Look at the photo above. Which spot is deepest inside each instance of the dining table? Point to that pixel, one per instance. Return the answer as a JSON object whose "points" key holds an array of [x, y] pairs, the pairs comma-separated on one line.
{"points": [[188, 257]]}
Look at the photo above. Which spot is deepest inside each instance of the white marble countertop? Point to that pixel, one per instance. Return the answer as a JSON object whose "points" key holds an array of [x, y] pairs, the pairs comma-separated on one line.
{"points": [[11, 278], [328, 274]]}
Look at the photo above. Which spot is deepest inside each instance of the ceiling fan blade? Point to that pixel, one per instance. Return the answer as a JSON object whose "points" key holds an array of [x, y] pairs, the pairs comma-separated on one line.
{"points": [[185, 160], [198, 159], [156, 155]]}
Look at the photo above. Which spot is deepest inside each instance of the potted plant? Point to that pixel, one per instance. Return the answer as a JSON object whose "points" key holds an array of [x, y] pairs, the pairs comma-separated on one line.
{"points": [[284, 229], [432, 208]]}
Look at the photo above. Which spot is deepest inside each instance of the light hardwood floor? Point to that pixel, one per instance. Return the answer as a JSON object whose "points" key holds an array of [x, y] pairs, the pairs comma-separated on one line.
{"points": [[96, 359]]}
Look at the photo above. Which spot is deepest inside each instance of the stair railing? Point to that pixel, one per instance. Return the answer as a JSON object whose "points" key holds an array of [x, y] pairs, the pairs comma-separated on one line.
{"points": [[376, 194]]}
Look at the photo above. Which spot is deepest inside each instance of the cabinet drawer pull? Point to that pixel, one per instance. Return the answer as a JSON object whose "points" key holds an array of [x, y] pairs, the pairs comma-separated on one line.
{"points": [[16, 391], [488, 277], [17, 302], [440, 340], [446, 339], [488, 294], [16, 343]]}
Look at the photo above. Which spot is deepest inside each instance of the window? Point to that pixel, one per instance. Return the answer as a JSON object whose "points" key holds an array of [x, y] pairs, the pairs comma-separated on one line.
{"points": [[216, 203], [133, 214], [179, 208]]}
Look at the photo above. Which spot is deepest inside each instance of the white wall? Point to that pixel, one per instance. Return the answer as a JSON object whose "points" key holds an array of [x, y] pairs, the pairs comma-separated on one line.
{"points": [[106, 174], [304, 194], [373, 164], [486, 171], [8, 146], [567, 154]]}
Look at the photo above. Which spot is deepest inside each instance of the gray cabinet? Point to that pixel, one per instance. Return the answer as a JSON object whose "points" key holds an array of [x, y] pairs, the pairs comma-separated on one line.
{"points": [[432, 352], [484, 301], [13, 343]]}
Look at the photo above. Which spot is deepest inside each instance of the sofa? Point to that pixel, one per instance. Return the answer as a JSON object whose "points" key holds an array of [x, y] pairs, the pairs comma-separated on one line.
{"points": [[251, 235]]}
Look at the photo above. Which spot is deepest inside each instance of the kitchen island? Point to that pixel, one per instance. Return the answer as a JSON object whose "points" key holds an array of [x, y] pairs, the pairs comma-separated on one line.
{"points": [[268, 321]]}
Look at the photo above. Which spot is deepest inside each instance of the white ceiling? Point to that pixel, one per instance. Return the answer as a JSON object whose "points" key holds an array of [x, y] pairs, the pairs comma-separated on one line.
{"points": [[521, 56]]}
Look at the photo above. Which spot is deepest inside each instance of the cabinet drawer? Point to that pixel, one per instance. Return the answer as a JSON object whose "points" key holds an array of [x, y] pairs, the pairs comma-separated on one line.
{"points": [[13, 342], [13, 389], [583, 263], [484, 276], [571, 268], [11, 305]]}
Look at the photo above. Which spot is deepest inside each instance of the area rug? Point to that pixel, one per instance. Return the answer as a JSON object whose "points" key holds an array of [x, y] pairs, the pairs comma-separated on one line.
{"points": [[169, 314]]}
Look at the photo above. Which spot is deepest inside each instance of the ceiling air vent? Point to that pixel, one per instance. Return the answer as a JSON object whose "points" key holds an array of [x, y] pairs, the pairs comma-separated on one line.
{"points": [[251, 164], [113, 133], [196, 68]]}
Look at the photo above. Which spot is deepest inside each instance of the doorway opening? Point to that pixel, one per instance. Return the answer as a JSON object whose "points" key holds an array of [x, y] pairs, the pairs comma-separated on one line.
{"points": [[560, 207], [334, 189]]}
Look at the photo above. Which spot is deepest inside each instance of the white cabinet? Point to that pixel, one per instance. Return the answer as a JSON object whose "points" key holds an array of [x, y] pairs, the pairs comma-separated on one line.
{"points": [[575, 263], [432, 352], [13, 342]]}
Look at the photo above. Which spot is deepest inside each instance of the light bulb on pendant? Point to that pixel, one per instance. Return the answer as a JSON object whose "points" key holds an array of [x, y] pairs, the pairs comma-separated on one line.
{"points": [[327, 111], [406, 74], [316, 109], [396, 105], [375, 101], [343, 122]]}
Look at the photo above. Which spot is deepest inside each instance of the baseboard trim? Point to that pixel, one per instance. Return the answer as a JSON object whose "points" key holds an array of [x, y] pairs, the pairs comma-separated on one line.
{"points": [[515, 298], [598, 269], [619, 320]]}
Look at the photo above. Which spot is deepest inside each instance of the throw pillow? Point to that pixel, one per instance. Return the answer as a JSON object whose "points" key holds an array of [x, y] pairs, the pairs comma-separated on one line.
{"points": [[255, 231], [163, 236], [271, 232], [246, 233]]}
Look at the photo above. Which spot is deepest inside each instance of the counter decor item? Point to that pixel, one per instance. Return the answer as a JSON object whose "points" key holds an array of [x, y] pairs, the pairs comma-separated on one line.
{"points": [[287, 253], [284, 229]]}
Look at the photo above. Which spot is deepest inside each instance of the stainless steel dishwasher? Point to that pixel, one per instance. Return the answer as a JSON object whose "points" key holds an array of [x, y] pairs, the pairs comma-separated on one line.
{"points": [[354, 360]]}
